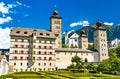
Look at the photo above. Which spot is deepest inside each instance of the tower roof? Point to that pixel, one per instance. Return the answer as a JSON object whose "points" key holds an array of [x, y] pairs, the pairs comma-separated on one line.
{"points": [[99, 24], [55, 12]]}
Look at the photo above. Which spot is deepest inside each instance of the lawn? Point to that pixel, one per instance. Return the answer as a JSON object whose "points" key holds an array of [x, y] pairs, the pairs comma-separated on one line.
{"points": [[57, 75]]}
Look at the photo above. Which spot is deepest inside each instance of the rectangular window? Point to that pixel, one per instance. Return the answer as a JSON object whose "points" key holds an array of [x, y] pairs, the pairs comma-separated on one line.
{"points": [[45, 47], [48, 34], [41, 33], [18, 32], [14, 64], [50, 58], [44, 58], [21, 58], [25, 32], [38, 64]]}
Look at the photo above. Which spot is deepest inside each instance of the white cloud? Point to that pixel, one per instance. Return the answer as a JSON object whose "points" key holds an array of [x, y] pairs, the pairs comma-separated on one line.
{"points": [[3, 9], [4, 38], [110, 24], [4, 20], [83, 23]]}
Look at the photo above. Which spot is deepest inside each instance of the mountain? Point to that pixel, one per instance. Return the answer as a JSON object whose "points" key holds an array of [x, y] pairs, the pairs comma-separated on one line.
{"points": [[112, 32]]}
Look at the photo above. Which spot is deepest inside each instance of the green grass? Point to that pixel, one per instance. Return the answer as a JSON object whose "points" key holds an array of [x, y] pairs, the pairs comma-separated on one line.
{"points": [[58, 75]]}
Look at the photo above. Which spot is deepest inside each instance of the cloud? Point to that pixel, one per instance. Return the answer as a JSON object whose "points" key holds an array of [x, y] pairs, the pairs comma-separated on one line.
{"points": [[83, 23], [4, 38], [69, 31], [4, 20], [110, 24], [3, 9]]}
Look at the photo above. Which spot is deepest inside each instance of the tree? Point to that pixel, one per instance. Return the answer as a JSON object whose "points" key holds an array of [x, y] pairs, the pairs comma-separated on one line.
{"points": [[104, 65], [118, 51], [72, 46], [64, 46], [112, 52], [76, 60]]}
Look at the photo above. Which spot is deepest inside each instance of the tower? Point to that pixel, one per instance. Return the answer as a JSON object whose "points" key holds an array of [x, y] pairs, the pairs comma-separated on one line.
{"points": [[83, 40], [100, 41], [55, 27]]}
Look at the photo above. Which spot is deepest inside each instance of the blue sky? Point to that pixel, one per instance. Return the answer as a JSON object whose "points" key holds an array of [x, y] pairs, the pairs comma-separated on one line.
{"points": [[75, 14]]}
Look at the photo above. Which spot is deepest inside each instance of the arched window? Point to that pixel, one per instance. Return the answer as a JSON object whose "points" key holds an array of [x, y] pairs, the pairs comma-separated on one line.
{"points": [[86, 60]]}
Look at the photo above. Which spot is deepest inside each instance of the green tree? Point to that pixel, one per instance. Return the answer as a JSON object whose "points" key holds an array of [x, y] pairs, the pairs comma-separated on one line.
{"points": [[72, 46], [64, 46], [91, 66], [112, 52], [118, 51], [104, 65], [77, 60]]}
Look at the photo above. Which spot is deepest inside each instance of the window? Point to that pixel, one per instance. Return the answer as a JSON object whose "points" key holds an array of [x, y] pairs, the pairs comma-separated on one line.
{"points": [[27, 58], [50, 47], [86, 60], [44, 58], [50, 64], [39, 47], [18, 32], [15, 51], [21, 58], [22, 46], [45, 47], [48, 34], [39, 58], [41, 33], [50, 53], [50, 58], [33, 58], [27, 64], [22, 52], [15, 58], [39, 52], [21, 64], [34, 52], [34, 46], [44, 64], [14, 64], [16, 46], [38, 64], [45, 53], [25, 32]]}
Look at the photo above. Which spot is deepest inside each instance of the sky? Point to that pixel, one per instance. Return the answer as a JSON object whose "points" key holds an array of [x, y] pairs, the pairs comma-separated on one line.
{"points": [[36, 13]]}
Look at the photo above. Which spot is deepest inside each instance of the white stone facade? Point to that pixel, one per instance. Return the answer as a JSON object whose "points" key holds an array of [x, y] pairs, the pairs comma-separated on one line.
{"points": [[34, 49]]}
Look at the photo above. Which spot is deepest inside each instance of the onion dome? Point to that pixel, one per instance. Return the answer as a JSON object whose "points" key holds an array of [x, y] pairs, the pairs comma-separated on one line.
{"points": [[82, 31], [99, 24], [55, 12]]}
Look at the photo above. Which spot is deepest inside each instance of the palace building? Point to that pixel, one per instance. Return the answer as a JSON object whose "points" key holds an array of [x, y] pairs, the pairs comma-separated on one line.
{"points": [[35, 49]]}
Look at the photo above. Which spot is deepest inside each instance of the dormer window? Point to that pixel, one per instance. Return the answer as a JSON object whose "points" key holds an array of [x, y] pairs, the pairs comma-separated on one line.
{"points": [[18, 32], [25, 32], [41, 33], [48, 34]]}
